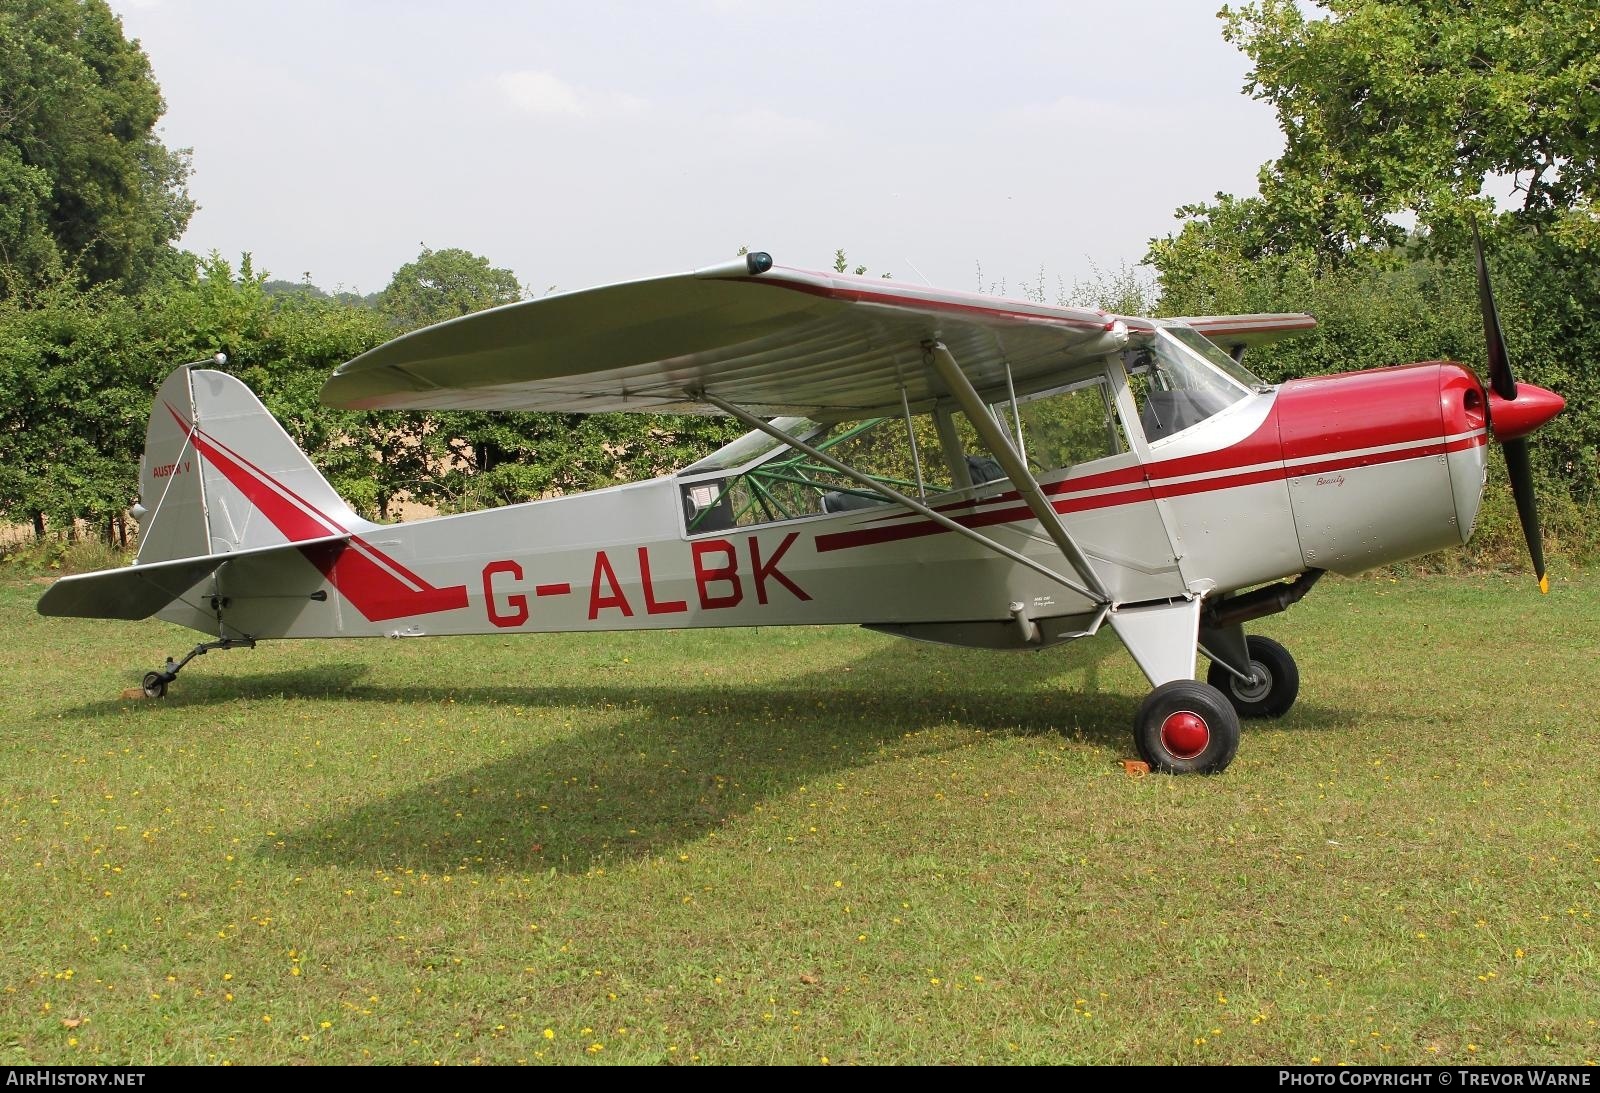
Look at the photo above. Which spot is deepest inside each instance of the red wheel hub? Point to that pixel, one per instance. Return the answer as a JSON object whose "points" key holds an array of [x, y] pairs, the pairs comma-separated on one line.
{"points": [[1185, 735]]}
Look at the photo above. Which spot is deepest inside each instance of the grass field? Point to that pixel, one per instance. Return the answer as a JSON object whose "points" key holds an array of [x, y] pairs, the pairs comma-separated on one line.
{"points": [[802, 845]]}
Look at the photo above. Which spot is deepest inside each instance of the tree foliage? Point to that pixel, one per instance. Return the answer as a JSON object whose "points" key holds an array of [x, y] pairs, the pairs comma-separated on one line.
{"points": [[1408, 106], [446, 284], [69, 433], [1393, 107], [86, 187], [78, 369]]}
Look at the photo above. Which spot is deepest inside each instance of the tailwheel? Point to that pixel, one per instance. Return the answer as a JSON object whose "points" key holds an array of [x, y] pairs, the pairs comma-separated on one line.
{"points": [[155, 683], [1186, 727], [1274, 683]]}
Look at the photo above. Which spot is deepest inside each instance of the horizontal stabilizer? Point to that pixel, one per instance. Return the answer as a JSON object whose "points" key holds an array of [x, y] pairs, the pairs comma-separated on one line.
{"points": [[139, 591]]}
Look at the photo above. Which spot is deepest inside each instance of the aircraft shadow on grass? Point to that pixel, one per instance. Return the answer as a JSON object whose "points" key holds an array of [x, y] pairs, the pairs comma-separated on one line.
{"points": [[670, 763]]}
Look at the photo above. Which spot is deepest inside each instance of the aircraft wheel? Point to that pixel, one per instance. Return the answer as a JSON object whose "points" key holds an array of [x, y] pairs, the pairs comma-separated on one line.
{"points": [[1278, 686], [1186, 727], [155, 685]]}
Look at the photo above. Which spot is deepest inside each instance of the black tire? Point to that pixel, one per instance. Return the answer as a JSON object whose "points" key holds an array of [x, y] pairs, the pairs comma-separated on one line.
{"points": [[1279, 686], [1186, 727], [155, 685]]}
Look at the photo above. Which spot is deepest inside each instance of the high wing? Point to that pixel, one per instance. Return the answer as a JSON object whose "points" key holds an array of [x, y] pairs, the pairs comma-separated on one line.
{"points": [[773, 340], [1235, 332]]}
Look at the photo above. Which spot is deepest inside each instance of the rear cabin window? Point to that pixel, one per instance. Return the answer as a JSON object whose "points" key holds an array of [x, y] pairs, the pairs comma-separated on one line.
{"points": [[791, 484]]}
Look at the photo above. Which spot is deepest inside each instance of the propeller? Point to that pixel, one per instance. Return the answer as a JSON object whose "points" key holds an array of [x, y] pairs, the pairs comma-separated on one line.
{"points": [[1515, 410]]}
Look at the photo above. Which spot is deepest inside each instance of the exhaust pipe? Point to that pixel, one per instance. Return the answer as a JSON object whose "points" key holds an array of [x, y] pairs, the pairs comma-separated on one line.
{"points": [[1258, 603]]}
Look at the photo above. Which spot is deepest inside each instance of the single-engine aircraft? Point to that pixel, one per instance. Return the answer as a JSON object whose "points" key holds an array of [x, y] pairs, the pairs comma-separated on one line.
{"points": [[939, 465]]}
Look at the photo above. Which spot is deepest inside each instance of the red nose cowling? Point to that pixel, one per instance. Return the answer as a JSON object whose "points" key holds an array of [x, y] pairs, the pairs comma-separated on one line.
{"points": [[1533, 406]]}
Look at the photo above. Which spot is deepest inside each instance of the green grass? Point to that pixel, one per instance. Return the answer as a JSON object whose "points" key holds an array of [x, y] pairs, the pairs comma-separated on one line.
{"points": [[787, 845]]}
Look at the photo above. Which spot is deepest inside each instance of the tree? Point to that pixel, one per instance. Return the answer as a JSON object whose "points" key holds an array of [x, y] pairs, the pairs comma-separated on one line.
{"points": [[446, 284], [504, 457], [1409, 107], [279, 287], [77, 370], [283, 346], [86, 187], [1396, 106]]}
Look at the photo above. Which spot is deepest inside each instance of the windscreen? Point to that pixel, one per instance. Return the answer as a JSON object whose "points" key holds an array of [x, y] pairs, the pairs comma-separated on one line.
{"points": [[1179, 380]]}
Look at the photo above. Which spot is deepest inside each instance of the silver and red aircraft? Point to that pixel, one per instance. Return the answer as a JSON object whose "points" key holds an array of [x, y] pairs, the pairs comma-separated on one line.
{"points": [[937, 465]]}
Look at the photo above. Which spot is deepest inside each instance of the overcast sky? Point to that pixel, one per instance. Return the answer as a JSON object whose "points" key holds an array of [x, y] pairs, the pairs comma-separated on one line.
{"points": [[585, 142]]}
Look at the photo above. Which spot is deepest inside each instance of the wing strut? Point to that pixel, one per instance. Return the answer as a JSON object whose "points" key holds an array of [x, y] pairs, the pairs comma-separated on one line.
{"points": [[1099, 599], [1014, 465]]}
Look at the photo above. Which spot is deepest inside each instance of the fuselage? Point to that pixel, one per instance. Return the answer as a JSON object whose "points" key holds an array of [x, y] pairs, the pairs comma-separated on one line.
{"points": [[1342, 473]]}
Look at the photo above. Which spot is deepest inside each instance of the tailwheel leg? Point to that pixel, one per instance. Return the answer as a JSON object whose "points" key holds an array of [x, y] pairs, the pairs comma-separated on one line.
{"points": [[155, 683], [1186, 727]]}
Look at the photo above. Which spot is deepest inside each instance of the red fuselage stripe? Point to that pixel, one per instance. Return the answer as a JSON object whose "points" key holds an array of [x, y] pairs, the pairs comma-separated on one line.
{"points": [[374, 583], [1222, 480], [356, 541]]}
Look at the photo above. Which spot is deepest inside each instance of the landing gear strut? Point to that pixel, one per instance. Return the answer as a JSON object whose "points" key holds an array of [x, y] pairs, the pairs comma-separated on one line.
{"points": [[155, 683]]}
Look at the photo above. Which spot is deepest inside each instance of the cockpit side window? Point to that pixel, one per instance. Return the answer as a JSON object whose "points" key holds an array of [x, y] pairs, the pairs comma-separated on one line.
{"points": [[754, 481], [787, 484], [1068, 426]]}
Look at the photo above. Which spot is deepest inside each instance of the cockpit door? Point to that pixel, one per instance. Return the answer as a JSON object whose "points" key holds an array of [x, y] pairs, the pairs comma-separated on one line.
{"points": [[1084, 444], [1164, 526]]}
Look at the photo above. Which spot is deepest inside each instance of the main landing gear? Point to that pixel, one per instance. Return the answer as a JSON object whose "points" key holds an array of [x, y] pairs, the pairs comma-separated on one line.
{"points": [[1273, 685], [1186, 727], [155, 683], [1189, 727]]}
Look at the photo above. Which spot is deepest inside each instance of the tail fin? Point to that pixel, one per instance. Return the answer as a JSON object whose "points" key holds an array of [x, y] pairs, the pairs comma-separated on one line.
{"points": [[220, 475]]}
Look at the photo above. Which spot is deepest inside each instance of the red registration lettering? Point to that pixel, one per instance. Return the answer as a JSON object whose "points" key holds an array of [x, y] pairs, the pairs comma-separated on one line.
{"points": [[727, 573], [614, 597], [770, 569], [651, 605], [518, 604]]}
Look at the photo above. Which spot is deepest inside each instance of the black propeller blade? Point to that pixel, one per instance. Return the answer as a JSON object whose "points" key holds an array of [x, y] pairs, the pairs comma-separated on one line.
{"points": [[1501, 380], [1504, 384], [1521, 471]]}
